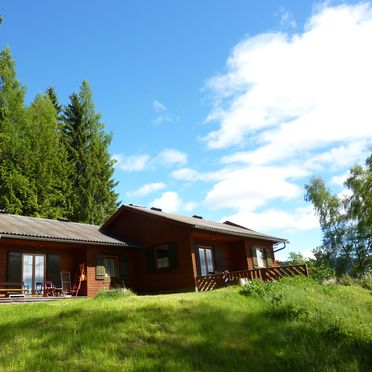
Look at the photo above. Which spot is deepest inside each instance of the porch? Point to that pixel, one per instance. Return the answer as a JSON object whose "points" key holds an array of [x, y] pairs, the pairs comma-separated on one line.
{"points": [[223, 279]]}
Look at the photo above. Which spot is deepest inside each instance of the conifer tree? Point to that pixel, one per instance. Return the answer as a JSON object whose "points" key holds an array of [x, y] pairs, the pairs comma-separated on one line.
{"points": [[49, 168], [16, 191], [87, 145]]}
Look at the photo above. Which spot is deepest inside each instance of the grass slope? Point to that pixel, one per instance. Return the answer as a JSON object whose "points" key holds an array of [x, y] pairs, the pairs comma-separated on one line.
{"points": [[297, 325]]}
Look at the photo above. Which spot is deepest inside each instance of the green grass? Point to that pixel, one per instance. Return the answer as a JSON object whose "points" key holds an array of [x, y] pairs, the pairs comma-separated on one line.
{"points": [[294, 325]]}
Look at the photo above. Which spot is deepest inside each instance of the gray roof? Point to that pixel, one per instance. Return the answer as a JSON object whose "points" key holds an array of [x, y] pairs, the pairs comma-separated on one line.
{"points": [[21, 227], [219, 227]]}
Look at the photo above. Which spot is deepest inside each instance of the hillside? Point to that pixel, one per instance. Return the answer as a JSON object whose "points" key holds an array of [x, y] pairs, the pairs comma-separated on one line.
{"points": [[295, 325]]}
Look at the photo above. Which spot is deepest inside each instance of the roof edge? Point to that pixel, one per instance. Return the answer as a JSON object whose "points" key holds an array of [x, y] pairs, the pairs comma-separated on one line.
{"points": [[63, 240]]}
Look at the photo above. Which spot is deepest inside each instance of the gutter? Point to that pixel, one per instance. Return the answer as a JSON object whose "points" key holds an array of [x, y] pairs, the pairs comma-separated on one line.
{"points": [[61, 240], [281, 248]]}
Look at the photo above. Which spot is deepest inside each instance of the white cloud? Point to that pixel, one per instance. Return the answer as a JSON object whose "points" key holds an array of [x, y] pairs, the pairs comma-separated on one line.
{"points": [[147, 189], [162, 114], [301, 219], [288, 96], [158, 106], [171, 157], [133, 163], [287, 19], [171, 202], [252, 187], [340, 179]]}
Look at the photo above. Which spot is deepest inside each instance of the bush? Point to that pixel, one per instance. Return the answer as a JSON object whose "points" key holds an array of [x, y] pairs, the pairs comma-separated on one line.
{"points": [[256, 288], [113, 293], [285, 310], [345, 280]]}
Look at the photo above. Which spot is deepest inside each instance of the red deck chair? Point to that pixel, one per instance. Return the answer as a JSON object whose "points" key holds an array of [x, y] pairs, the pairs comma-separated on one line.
{"points": [[49, 288]]}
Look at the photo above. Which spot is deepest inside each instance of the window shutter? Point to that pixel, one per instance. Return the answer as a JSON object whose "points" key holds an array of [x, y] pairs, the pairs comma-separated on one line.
{"points": [[54, 269], [14, 273], [269, 260], [254, 258], [123, 267], [100, 267], [197, 259], [173, 256], [218, 258], [150, 259]]}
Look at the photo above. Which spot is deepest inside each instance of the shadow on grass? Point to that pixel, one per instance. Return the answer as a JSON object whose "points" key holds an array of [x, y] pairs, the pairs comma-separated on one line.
{"points": [[189, 336]]}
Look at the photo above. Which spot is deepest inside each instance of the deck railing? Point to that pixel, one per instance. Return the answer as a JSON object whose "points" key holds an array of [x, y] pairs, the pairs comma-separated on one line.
{"points": [[214, 281]]}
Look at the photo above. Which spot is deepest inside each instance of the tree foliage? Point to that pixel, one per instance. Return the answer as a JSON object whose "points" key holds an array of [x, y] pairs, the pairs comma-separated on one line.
{"points": [[54, 160], [87, 148], [346, 221]]}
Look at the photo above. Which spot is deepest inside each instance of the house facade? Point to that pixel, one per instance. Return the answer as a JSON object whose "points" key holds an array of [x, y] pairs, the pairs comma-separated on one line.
{"points": [[146, 250]]}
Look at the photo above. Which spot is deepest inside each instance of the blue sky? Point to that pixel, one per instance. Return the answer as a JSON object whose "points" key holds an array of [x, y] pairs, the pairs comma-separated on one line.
{"points": [[221, 108]]}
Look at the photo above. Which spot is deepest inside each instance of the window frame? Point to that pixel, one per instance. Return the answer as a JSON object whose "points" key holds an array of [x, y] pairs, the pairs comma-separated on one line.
{"points": [[116, 266], [211, 250], [164, 247], [263, 258]]}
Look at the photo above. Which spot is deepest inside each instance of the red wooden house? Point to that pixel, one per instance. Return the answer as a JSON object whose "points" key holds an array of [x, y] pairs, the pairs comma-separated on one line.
{"points": [[146, 250]]}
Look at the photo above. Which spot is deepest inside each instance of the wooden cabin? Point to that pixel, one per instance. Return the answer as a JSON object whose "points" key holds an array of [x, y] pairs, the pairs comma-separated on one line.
{"points": [[146, 250]]}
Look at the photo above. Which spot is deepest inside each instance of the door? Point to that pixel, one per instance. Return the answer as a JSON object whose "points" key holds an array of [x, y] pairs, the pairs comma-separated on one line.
{"points": [[33, 272], [206, 261]]}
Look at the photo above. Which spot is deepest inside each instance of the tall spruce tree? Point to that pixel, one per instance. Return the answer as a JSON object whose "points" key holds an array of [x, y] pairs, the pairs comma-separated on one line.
{"points": [[16, 190], [87, 145], [49, 168]]}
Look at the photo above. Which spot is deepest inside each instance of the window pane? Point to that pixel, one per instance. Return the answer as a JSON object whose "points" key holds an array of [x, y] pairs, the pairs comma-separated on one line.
{"points": [[110, 267], [27, 272], [203, 266], [209, 261], [162, 257], [260, 258], [39, 269]]}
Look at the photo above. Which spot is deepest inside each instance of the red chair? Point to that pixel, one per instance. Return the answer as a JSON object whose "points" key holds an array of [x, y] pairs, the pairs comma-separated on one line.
{"points": [[49, 289]]}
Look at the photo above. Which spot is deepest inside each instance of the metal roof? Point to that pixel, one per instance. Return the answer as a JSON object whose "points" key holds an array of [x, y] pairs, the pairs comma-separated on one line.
{"points": [[205, 225], [21, 227]]}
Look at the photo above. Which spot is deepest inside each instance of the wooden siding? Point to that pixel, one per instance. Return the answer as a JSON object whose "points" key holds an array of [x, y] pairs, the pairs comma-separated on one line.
{"points": [[70, 257], [151, 231]]}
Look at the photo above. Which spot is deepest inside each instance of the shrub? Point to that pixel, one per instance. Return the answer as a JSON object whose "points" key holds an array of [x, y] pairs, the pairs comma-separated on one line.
{"points": [[116, 292], [285, 310], [345, 280], [256, 288]]}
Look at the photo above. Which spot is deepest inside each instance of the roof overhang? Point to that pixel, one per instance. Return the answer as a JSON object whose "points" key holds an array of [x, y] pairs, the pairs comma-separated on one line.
{"points": [[67, 241]]}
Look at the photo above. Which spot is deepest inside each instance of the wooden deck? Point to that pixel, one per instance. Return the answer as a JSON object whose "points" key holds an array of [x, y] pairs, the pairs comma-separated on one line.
{"points": [[214, 281]]}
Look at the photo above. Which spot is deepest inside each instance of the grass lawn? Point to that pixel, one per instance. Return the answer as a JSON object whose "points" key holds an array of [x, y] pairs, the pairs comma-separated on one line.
{"points": [[297, 325]]}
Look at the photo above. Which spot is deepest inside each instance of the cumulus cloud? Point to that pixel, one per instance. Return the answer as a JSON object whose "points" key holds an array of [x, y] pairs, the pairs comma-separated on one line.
{"points": [[171, 157], [135, 163], [147, 189], [290, 95], [300, 219], [171, 202], [252, 187]]}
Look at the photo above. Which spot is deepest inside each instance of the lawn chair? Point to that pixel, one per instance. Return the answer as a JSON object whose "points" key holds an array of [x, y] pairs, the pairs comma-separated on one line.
{"points": [[49, 289]]}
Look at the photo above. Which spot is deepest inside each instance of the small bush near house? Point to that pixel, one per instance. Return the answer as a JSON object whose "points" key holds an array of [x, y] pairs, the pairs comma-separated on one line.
{"points": [[114, 292]]}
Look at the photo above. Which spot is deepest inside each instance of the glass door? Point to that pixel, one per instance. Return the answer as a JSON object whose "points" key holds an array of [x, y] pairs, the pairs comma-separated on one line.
{"points": [[206, 261], [33, 273]]}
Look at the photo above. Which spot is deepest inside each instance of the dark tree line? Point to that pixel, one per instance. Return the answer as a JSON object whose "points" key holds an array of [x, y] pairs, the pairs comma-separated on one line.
{"points": [[54, 159]]}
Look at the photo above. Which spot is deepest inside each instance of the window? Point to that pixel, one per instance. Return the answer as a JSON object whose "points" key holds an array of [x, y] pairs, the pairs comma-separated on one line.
{"points": [[206, 260], [161, 257], [111, 267], [261, 257]]}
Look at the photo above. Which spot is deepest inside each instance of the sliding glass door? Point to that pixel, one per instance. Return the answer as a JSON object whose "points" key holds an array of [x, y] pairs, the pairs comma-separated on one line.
{"points": [[206, 261], [33, 273]]}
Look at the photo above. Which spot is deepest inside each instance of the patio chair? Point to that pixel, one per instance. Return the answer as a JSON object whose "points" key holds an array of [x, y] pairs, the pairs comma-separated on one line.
{"points": [[39, 288], [49, 288]]}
